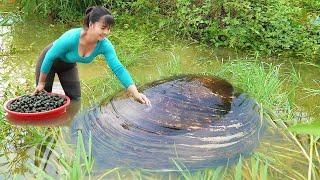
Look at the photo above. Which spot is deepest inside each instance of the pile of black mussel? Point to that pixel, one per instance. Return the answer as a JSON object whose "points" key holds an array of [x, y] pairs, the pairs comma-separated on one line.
{"points": [[39, 102]]}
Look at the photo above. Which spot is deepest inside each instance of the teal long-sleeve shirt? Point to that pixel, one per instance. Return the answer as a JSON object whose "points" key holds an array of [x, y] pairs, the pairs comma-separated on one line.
{"points": [[65, 48]]}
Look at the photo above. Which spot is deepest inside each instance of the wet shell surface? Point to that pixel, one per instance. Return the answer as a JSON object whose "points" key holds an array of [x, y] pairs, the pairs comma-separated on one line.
{"points": [[200, 121]]}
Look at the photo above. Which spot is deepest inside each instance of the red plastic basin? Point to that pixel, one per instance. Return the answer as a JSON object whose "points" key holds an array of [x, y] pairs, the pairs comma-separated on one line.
{"points": [[38, 115]]}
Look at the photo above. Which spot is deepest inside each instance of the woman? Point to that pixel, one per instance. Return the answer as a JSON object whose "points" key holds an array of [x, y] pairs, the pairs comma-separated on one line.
{"points": [[82, 45]]}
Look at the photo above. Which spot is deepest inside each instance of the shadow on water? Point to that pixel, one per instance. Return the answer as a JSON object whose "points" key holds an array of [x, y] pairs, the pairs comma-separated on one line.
{"points": [[200, 121]]}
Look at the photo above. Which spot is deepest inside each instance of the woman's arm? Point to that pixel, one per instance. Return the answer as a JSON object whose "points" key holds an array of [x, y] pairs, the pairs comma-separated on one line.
{"points": [[122, 74], [58, 48], [115, 65], [41, 82]]}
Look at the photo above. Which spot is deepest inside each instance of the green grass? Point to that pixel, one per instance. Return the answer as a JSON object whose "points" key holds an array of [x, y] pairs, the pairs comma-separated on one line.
{"points": [[313, 91], [312, 128], [262, 81], [77, 166], [265, 82], [271, 89]]}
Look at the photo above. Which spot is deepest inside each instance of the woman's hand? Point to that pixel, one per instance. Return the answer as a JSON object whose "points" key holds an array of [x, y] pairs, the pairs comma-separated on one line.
{"points": [[40, 87], [138, 96], [142, 98], [41, 83]]}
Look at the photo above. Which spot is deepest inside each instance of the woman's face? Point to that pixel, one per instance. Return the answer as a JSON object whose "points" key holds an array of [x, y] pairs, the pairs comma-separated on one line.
{"points": [[100, 30]]}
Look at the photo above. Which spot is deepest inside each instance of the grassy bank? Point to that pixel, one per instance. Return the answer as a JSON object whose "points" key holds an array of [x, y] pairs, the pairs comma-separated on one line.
{"points": [[274, 91], [271, 27]]}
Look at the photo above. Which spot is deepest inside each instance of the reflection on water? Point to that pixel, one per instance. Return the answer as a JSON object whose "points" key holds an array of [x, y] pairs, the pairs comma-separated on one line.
{"points": [[198, 120], [25, 41], [18, 153], [6, 22], [4, 41]]}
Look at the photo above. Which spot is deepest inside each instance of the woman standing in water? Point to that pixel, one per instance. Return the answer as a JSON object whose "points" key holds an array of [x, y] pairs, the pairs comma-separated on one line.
{"points": [[82, 45]]}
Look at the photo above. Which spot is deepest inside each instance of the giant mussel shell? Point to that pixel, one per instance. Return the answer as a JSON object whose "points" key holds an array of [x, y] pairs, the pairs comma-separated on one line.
{"points": [[200, 121]]}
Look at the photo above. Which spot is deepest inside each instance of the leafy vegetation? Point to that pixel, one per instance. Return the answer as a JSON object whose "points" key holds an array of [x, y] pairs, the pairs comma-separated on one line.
{"points": [[263, 27], [56, 9], [270, 27], [77, 166], [312, 128]]}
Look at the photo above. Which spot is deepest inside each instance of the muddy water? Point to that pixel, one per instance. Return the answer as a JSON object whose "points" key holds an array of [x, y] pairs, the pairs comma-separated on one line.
{"points": [[22, 43]]}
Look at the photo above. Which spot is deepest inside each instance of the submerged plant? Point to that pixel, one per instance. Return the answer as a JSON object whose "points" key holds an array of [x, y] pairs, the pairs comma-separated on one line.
{"points": [[262, 81], [78, 166], [312, 91], [9, 18], [312, 128]]}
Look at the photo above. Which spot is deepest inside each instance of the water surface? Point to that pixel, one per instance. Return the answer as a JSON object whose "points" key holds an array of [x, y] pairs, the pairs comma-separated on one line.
{"points": [[22, 43]]}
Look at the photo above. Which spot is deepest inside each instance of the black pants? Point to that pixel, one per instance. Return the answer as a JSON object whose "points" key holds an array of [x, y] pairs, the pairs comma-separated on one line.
{"points": [[67, 73]]}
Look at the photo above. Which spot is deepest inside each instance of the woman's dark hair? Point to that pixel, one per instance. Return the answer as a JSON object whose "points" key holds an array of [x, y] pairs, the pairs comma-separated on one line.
{"points": [[95, 13]]}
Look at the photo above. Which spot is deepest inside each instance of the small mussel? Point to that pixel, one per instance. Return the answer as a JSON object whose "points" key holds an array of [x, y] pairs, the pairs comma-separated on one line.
{"points": [[38, 102]]}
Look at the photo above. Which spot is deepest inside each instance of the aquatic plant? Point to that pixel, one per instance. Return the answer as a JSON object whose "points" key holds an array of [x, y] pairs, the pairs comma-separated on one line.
{"points": [[263, 81], [312, 128], [9, 18], [17, 141], [260, 80], [77, 166], [312, 91]]}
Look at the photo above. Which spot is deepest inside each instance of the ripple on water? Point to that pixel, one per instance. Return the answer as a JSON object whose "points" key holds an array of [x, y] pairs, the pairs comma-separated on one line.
{"points": [[200, 121]]}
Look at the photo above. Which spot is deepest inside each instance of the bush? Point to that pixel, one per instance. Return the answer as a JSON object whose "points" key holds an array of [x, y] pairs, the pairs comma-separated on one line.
{"points": [[57, 10], [272, 27]]}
